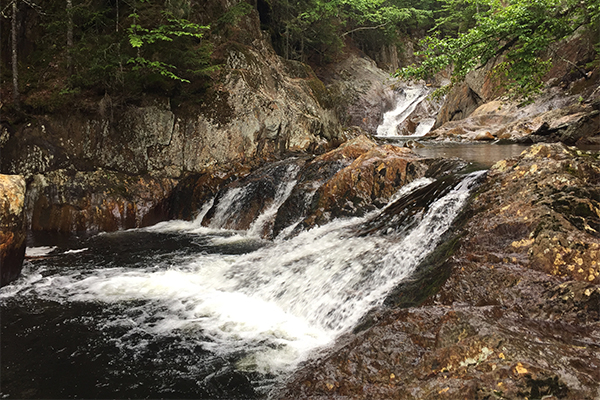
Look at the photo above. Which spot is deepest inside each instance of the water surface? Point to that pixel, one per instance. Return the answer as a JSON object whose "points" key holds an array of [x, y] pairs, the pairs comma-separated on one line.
{"points": [[179, 310]]}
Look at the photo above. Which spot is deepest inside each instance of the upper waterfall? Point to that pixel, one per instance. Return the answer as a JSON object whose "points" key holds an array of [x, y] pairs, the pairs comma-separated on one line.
{"points": [[414, 113]]}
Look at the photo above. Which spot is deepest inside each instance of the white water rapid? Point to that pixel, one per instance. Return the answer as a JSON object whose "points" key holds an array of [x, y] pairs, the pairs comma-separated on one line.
{"points": [[266, 305], [408, 99]]}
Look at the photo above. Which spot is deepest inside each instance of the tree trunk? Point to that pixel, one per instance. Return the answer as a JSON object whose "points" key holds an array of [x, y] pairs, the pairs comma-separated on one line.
{"points": [[69, 34], [15, 70]]}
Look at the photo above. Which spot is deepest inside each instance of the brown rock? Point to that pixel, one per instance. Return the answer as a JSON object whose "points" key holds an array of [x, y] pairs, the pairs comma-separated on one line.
{"points": [[12, 227], [313, 175], [96, 201], [368, 182]]}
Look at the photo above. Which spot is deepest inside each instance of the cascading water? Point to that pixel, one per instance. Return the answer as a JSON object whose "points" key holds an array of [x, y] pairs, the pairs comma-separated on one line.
{"points": [[182, 310], [407, 101]]}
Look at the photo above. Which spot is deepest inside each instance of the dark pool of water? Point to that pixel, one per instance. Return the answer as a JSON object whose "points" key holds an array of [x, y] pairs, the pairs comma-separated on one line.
{"points": [[57, 349]]}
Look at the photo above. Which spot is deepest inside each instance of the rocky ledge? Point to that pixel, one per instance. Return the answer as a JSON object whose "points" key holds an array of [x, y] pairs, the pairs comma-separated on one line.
{"points": [[12, 227], [519, 313], [95, 201]]}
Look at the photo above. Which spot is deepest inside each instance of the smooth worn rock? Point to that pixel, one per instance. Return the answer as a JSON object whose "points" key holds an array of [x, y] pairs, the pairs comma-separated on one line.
{"points": [[459, 104], [552, 117], [367, 183], [12, 227], [570, 71], [69, 201], [312, 176], [360, 91], [519, 313]]}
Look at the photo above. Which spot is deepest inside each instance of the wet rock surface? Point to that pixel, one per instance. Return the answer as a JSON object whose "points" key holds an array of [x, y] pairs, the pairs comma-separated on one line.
{"points": [[313, 175], [261, 189], [367, 183], [519, 314], [361, 92], [301, 192], [352, 180], [12, 227], [98, 201]]}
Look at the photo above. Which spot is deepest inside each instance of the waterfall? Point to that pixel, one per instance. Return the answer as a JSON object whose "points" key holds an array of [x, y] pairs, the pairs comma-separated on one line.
{"points": [[259, 307], [252, 204], [412, 108]]}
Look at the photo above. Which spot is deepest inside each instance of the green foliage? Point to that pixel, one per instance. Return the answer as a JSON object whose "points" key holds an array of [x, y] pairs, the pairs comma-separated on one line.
{"points": [[233, 15], [319, 27], [516, 33], [147, 39], [125, 48]]}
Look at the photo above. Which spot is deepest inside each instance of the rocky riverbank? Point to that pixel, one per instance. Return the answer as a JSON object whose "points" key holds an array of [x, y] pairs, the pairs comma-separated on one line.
{"points": [[567, 110], [519, 313], [12, 227]]}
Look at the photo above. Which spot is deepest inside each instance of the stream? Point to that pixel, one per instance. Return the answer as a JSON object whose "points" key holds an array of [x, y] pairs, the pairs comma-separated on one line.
{"points": [[183, 310], [179, 310]]}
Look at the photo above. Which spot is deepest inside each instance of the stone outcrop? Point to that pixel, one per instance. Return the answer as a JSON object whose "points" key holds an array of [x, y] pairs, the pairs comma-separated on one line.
{"points": [[519, 311], [109, 165], [350, 181], [360, 91], [313, 175], [12, 227], [571, 90], [368, 183], [99, 201], [301, 192], [551, 118], [256, 111], [459, 103], [258, 107]]}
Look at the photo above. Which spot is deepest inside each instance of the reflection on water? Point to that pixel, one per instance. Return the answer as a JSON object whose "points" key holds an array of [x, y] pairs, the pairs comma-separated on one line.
{"points": [[483, 154], [480, 153]]}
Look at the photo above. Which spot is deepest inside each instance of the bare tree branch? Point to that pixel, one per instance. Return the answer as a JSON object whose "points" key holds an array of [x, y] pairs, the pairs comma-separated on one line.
{"points": [[362, 28]]}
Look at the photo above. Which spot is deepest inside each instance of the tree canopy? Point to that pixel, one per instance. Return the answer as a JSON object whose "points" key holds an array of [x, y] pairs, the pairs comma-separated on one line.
{"points": [[306, 28], [517, 33]]}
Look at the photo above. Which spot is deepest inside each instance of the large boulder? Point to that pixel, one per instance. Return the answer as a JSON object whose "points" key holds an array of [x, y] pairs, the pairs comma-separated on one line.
{"points": [[98, 201], [516, 313], [367, 183], [12, 227], [361, 92]]}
